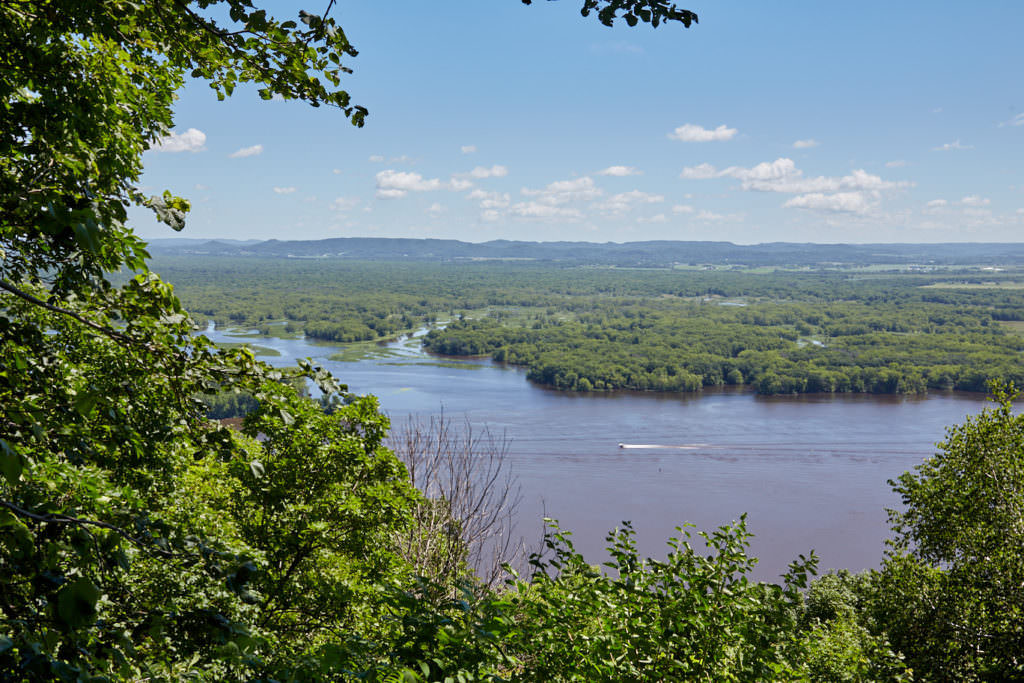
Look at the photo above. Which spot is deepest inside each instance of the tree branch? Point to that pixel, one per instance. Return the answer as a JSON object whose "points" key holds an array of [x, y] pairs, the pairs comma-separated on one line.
{"points": [[51, 518], [113, 334]]}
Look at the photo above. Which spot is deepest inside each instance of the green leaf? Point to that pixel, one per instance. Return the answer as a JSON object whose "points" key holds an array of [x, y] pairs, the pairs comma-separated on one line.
{"points": [[7, 518], [16, 535], [169, 210], [85, 403], [11, 462], [257, 469], [85, 235], [76, 602]]}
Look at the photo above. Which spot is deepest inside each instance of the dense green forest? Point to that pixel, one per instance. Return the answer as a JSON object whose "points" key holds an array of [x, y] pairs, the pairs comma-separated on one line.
{"points": [[599, 329], [142, 541]]}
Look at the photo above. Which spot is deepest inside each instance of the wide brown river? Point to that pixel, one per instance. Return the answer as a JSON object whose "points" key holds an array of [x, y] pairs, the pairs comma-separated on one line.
{"points": [[810, 472]]}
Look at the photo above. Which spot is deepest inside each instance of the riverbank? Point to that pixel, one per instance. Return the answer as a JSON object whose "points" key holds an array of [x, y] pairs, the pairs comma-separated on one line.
{"points": [[809, 470]]}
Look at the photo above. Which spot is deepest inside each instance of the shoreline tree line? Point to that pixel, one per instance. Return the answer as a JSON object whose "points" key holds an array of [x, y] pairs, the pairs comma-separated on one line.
{"points": [[587, 329]]}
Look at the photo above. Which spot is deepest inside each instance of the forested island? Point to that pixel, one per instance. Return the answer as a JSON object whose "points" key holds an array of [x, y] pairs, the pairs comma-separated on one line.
{"points": [[802, 327]]}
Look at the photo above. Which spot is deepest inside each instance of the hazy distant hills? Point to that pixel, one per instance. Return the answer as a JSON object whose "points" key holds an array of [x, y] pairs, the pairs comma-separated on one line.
{"points": [[651, 254]]}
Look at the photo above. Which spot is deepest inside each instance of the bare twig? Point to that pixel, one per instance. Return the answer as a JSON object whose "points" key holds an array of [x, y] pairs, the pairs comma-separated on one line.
{"points": [[469, 517]]}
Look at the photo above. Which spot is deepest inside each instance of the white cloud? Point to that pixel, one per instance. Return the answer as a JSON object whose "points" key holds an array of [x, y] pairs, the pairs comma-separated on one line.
{"points": [[804, 144], [682, 208], [765, 171], [538, 210], [490, 200], [936, 203], [1017, 120], [639, 196], [252, 151], [468, 149], [975, 200], [620, 171], [490, 215], [336, 171], [624, 201], [657, 218], [841, 202], [949, 146], [859, 179], [284, 190], [393, 184], [192, 140], [495, 171], [690, 132], [897, 163], [563, 191], [795, 184], [699, 172], [782, 175], [201, 187], [436, 209], [376, 158], [344, 204]]}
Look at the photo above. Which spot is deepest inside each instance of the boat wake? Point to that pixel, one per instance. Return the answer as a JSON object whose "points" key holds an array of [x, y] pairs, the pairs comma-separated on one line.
{"points": [[684, 447]]}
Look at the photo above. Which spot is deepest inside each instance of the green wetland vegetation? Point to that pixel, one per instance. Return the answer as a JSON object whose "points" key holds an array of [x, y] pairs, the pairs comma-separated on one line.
{"points": [[801, 329]]}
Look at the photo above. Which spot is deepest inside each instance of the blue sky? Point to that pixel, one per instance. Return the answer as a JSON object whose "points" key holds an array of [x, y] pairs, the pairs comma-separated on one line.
{"points": [[489, 119]]}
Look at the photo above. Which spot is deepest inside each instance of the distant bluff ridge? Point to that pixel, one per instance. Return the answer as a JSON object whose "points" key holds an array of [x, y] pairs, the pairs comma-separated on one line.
{"points": [[650, 253]]}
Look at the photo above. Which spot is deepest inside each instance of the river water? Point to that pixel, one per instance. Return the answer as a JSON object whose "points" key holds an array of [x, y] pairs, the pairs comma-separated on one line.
{"points": [[809, 471]]}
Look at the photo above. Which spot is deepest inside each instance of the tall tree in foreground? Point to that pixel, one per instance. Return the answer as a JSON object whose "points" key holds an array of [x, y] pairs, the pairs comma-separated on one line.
{"points": [[951, 593], [119, 556]]}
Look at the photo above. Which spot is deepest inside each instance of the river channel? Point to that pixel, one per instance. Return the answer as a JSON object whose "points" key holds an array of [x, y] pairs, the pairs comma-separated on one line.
{"points": [[809, 471]]}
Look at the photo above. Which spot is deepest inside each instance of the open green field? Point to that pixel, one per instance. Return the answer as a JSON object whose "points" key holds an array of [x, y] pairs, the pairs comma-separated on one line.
{"points": [[1015, 326], [976, 285]]}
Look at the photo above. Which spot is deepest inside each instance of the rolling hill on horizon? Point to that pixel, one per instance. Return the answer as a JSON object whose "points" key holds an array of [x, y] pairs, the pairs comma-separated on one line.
{"points": [[660, 253]]}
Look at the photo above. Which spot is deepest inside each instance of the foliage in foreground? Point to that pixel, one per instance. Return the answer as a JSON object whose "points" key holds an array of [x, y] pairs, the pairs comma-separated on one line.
{"points": [[694, 616], [955, 577], [140, 541]]}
